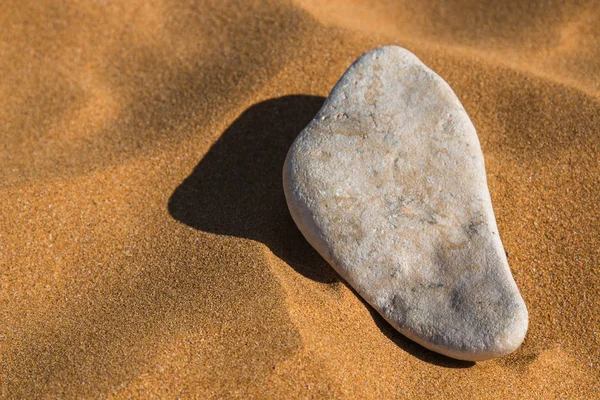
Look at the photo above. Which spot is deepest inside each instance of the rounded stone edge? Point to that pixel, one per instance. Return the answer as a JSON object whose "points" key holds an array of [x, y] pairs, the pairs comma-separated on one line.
{"points": [[511, 340]]}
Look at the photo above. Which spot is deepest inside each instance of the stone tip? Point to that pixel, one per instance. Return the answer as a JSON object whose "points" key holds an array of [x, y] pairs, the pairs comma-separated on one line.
{"points": [[513, 335], [505, 342]]}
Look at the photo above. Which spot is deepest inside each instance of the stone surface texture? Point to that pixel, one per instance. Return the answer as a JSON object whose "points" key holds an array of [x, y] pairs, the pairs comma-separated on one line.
{"points": [[388, 183]]}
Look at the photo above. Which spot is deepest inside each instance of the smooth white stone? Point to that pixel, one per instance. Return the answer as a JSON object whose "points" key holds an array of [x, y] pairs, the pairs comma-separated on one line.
{"points": [[388, 183]]}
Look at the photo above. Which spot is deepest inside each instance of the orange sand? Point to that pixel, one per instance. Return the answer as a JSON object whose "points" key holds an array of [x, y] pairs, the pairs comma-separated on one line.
{"points": [[145, 245]]}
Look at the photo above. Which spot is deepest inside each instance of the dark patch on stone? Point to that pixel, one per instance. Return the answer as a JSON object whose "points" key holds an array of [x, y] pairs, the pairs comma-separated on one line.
{"points": [[456, 300], [397, 310]]}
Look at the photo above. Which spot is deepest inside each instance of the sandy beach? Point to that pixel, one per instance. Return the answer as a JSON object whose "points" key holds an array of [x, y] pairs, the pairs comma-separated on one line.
{"points": [[146, 249]]}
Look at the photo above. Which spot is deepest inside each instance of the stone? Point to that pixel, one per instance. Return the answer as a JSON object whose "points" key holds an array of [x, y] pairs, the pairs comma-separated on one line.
{"points": [[388, 184]]}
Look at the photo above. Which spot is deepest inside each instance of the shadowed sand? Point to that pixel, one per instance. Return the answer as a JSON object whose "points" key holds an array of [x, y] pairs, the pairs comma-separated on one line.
{"points": [[236, 188], [145, 247]]}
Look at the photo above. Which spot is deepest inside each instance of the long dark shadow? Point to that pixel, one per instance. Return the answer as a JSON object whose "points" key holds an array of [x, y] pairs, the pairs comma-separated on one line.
{"points": [[236, 190]]}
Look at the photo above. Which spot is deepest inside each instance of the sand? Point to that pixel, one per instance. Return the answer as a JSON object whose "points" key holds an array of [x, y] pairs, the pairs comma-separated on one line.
{"points": [[145, 245]]}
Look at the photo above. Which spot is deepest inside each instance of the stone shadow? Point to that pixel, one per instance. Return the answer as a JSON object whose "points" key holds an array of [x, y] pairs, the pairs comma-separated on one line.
{"points": [[236, 189]]}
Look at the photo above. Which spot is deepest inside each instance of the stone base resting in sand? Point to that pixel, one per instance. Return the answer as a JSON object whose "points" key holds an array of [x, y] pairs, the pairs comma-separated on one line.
{"points": [[388, 184]]}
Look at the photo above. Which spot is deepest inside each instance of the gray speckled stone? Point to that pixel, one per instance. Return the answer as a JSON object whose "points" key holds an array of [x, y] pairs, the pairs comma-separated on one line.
{"points": [[388, 184]]}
